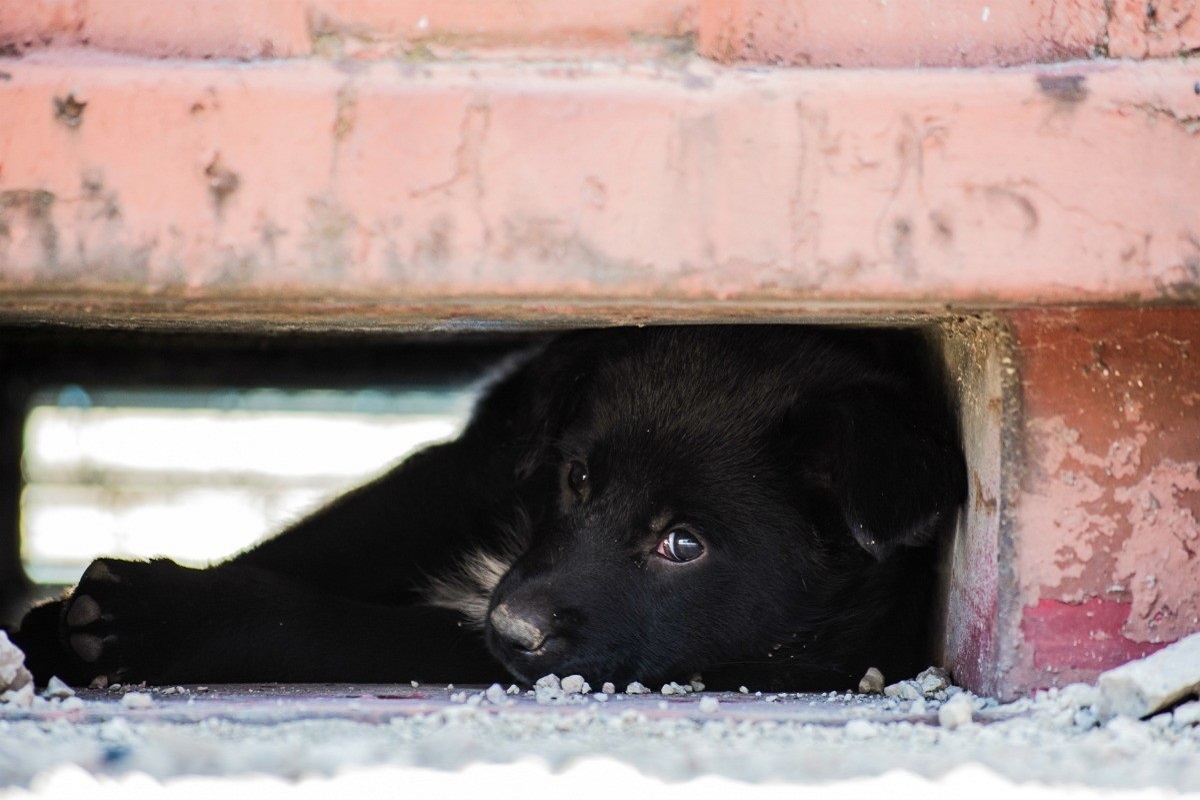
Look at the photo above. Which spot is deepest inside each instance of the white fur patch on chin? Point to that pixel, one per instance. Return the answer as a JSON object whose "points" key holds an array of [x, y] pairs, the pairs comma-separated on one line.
{"points": [[468, 589]]}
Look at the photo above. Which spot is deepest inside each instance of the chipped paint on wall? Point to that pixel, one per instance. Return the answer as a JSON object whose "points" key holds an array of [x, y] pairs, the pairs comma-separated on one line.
{"points": [[1108, 515], [1159, 561]]}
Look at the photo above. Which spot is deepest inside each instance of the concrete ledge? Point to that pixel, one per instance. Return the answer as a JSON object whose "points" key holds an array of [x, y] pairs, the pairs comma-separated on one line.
{"points": [[882, 34], [851, 33], [364, 28], [959, 33], [307, 184]]}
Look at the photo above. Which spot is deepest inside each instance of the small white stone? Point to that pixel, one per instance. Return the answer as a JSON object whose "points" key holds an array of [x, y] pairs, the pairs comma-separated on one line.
{"points": [[550, 681], [548, 694], [743, 690], [413, 684], [1187, 714], [904, 690], [496, 695], [72, 704], [514, 689], [58, 688], [709, 704], [575, 684], [13, 674], [933, 680], [1141, 687], [137, 700], [861, 729], [608, 688], [872, 682], [19, 698], [601, 697], [956, 712], [636, 688]]}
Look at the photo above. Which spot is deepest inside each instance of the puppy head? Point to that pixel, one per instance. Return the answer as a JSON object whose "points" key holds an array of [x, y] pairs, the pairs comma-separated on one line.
{"points": [[693, 502], [656, 557]]}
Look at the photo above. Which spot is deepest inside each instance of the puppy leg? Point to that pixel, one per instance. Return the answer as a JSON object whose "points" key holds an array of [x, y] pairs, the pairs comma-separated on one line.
{"points": [[162, 623]]}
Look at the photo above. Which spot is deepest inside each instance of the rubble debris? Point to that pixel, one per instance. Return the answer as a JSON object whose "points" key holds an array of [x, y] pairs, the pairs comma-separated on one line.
{"points": [[904, 690], [1187, 714], [933, 680], [956, 712], [137, 700], [575, 684], [13, 675], [1143, 687], [872, 682], [496, 694], [58, 688], [548, 689]]}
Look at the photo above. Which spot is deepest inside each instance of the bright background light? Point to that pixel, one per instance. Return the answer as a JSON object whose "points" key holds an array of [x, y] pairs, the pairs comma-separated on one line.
{"points": [[137, 474]]}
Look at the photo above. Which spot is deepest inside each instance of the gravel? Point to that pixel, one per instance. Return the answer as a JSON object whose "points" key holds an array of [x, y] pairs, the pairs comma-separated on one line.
{"points": [[1063, 739]]}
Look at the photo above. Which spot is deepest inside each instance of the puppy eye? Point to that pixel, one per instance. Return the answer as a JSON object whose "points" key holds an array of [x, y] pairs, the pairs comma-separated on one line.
{"points": [[680, 546], [577, 477]]}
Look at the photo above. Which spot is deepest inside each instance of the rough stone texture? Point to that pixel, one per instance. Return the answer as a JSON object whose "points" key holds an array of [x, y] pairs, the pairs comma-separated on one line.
{"points": [[931, 33], [362, 28], [900, 34], [1104, 529], [808, 32], [983, 381], [300, 180], [1139, 29], [1141, 688]]}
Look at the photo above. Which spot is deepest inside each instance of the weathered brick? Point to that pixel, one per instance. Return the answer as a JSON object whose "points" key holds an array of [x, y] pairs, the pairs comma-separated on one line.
{"points": [[911, 190], [899, 34], [363, 28], [1139, 29], [1094, 560]]}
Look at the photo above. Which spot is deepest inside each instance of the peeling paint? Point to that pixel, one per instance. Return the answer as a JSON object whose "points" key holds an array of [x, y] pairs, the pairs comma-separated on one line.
{"points": [[222, 182], [1065, 89], [1110, 489], [27, 229], [69, 110], [1160, 560]]}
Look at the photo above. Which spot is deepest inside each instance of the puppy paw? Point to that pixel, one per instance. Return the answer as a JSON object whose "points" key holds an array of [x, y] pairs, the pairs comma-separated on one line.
{"points": [[119, 619]]}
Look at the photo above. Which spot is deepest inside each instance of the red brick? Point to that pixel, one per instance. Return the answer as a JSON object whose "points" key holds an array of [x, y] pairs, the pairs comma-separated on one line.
{"points": [[910, 190], [281, 28], [1140, 29], [901, 33], [179, 28], [1099, 549]]}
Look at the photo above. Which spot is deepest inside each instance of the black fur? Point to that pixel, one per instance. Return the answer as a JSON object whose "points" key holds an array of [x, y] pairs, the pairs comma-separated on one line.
{"points": [[815, 468]]}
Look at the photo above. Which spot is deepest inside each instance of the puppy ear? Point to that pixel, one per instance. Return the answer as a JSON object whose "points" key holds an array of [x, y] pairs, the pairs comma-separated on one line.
{"points": [[894, 473], [533, 399]]}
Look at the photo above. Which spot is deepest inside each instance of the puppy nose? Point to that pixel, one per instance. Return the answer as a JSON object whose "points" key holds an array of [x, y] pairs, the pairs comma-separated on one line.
{"points": [[527, 626]]}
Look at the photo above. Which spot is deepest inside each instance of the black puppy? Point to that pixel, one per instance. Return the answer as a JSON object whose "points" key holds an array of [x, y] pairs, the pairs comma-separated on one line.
{"points": [[753, 504]]}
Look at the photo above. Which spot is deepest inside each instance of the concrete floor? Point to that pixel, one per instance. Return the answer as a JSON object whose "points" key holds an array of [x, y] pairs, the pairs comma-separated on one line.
{"points": [[299, 734]]}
